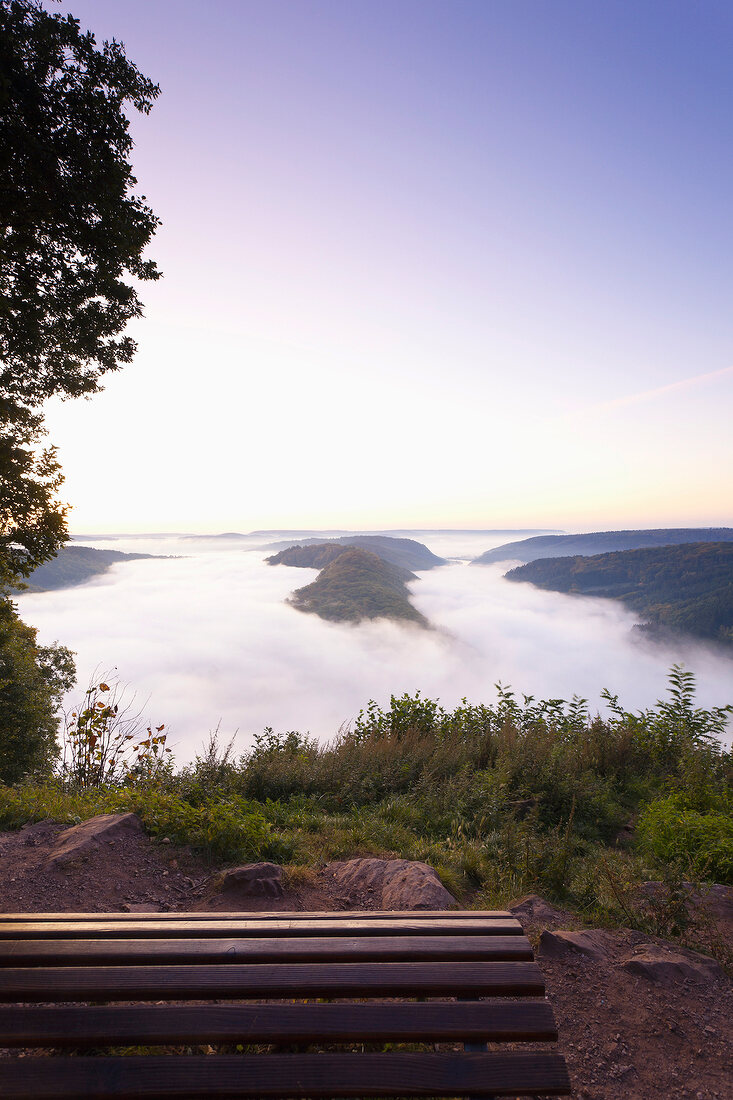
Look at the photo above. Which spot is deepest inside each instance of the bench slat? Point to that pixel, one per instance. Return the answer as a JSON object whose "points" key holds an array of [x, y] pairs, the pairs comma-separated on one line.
{"points": [[480, 1021], [410, 979], [286, 1075], [344, 914], [83, 952], [32, 929]]}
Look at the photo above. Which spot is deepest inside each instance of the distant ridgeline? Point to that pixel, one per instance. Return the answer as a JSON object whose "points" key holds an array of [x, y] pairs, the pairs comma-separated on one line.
{"points": [[601, 542], [686, 588], [362, 577], [405, 552], [75, 565]]}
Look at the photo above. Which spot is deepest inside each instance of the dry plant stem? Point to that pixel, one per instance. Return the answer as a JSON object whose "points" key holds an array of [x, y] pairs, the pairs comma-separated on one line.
{"points": [[616, 893]]}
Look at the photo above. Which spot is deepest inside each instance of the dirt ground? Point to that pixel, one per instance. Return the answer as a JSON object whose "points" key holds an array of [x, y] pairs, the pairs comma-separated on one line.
{"points": [[623, 1035]]}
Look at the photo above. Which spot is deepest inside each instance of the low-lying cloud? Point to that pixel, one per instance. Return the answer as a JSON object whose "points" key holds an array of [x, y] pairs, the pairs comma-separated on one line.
{"points": [[209, 640]]}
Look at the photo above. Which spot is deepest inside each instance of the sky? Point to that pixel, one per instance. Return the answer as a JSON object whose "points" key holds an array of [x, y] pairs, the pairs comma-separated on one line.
{"points": [[427, 263]]}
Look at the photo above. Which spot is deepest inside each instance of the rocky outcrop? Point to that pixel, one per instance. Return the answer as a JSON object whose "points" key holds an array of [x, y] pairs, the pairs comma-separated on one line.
{"points": [[256, 880], [80, 840], [594, 943], [533, 911], [393, 883], [709, 903], [661, 963], [626, 950]]}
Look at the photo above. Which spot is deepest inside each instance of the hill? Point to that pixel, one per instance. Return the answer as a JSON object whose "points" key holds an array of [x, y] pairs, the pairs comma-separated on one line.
{"points": [[686, 588], [75, 565], [601, 542], [406, 553], [314, 556], [358, 585]]}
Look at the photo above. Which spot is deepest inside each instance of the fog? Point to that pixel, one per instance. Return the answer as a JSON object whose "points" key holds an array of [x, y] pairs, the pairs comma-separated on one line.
{"points": [[205, 639]]}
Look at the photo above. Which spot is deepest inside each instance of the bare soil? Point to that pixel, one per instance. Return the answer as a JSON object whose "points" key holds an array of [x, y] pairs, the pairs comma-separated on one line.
{"points": [[623, 1036]]}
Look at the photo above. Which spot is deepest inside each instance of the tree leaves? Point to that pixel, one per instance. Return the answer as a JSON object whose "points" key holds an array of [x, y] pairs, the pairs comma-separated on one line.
{"points": [[71, 229]]}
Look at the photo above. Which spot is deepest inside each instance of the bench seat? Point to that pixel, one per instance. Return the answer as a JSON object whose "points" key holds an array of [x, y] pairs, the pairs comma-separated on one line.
{"points": [[72, 986]]}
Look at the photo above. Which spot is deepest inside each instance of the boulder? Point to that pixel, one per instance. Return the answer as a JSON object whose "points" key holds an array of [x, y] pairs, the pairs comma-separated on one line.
{"points": [[393, 883], [594, 944], [659, 963], [708, 903], [256, 880], [81, 840], [412, 885], [532, 909]]}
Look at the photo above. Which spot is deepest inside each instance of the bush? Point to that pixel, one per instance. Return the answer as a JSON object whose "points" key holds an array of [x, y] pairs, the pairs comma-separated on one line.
{"points": [[224, 831], [699, 841], [32, 681]]}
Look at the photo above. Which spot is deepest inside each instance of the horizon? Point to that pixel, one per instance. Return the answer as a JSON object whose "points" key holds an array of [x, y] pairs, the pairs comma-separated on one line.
{"points": [[335, 531]]}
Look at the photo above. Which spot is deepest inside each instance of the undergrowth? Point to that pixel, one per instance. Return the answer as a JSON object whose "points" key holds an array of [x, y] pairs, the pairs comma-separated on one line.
{"points": [[503, 799]]}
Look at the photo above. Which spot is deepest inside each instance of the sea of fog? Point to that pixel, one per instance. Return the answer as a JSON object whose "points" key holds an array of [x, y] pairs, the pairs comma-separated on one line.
{"points": [[204, 638]]}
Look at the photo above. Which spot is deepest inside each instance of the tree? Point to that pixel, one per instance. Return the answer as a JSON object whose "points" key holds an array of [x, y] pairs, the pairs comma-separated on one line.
{"points": [[32, 680], [32, 520], [71, 230], [72, 237]]}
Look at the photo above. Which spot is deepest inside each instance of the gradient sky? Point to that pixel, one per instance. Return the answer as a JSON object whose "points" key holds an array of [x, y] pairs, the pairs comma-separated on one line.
{"points": [[427, 263]]}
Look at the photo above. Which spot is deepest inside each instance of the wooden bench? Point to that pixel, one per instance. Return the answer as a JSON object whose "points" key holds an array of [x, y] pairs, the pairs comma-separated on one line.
{"points": [[57, 968]]}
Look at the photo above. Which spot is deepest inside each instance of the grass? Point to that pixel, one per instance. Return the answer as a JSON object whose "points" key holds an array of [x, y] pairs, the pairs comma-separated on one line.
{"points": [[502, 800]]}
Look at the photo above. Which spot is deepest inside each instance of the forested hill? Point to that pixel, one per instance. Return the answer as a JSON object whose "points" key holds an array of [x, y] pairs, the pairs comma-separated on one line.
{"points": [[314, 556], [358, 585], [687, 588], [601, 542], [406, 553], [75, 565]]}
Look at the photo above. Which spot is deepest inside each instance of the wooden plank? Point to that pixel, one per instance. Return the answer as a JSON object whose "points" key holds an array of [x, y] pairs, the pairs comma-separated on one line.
{"points": [[410, 979], [114, 952], [344, 914], [480, 1021], [284, 1075], [254, 927]]}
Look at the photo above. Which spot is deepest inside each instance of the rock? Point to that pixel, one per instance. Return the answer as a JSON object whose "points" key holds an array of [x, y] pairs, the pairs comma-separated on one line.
{"points": [[594, 944], [80, 840], [413, 885], [625, 834], [659, 963], [714, 901], [717, 902], [258, 880], [532, 909], [395, 883]]}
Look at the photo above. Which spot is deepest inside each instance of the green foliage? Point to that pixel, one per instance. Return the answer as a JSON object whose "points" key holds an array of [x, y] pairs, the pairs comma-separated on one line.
{"points": [[32, 681], [105, 742], [316, 553], [223, 831], [71, 229], [686, 588], [600, 542], [32, 520], [697, 838], [75, 565], [508, 798], [521, 795], [72, 237], [358, 585], [226, 830]]}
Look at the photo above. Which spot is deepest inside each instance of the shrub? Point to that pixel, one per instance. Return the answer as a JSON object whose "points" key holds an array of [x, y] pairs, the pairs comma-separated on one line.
{"points": [[700, 841], [32, 681]]}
